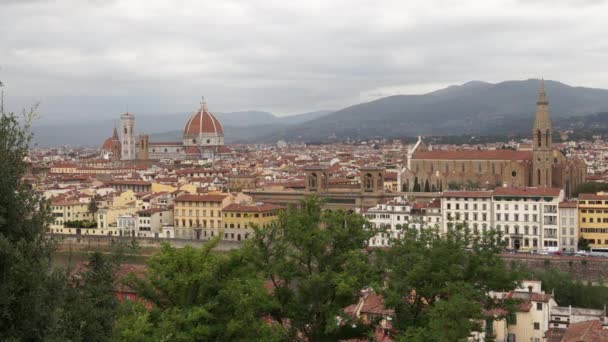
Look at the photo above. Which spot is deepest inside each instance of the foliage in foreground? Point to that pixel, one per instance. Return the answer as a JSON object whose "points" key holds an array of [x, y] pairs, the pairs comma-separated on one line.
{"points": [[197, 295], [316, 264], [439, 285], [39, 302]]}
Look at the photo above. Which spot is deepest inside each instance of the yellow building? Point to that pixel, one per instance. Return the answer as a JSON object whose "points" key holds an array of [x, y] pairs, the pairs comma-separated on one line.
{"points": [[107, 219], [199, 216], [65, 211], [593, 219], [239, 218]]}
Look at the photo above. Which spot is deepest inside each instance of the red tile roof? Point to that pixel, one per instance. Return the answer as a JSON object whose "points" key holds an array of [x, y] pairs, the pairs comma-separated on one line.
{"points": [[235, 207], [567, 205], [592, 197], [527, 191], [467, 194], [474, 155], [588, 331]]}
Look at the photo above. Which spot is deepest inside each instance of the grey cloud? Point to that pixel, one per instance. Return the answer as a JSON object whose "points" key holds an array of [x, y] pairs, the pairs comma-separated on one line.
{"points": [[92, 58]]}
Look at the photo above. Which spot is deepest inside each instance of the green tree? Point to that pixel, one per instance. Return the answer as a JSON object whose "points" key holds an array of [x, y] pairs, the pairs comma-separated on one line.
{"points": [[439, 284], [93, 206], [583, 244], [316, 265], [427, 188], [92, 318], [197, 295], [590, 188], [28, 287], [416, 187], [37, 303]]}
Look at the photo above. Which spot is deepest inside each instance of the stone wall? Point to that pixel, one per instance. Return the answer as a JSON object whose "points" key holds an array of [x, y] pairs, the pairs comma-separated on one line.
{"points": [[594, 269]]}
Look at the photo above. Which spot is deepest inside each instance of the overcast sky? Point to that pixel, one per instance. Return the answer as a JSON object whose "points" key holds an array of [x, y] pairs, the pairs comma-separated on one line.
{"points": [[95, 58]]}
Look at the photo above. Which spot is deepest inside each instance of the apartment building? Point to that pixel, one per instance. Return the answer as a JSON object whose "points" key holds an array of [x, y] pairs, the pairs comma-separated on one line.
{"points": [[65, 211], [472, 207], [150, 222], [568, 225], [238, 219], [528, 217], [400, 212], [199, 216], [593, 219]]}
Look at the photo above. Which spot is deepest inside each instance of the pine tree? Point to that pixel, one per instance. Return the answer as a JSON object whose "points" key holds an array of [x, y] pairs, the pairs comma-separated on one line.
{"points": [[416, 185], [427, 188]]}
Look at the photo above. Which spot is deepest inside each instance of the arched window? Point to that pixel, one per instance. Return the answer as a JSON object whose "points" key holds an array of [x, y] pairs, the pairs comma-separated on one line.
{"points": [[539, 138], [538, 177], [547, 136]]}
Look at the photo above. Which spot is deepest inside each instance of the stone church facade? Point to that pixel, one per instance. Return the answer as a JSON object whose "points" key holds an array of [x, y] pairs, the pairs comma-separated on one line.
{"points": [[540, 166]]}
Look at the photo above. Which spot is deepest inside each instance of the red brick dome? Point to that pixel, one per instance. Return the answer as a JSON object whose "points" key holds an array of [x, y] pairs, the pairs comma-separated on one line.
{"points": [[107, 145], [203, 122]]}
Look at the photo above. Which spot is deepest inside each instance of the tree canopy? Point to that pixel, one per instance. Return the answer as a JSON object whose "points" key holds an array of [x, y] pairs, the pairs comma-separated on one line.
{"points": [[439, 285], [316, 263]]}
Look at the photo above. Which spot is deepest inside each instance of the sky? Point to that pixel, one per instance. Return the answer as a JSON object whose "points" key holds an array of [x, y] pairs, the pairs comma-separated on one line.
{"points": [[84, 59]]}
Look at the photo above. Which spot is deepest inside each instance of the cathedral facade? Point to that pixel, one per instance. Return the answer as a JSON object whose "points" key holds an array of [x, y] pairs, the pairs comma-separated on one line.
{"points": [[203, 139], [540, 166]]}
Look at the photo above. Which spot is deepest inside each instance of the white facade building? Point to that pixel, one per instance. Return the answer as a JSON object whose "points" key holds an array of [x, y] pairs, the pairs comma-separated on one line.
{"points": [[473, 207], [568, 226], [400, 212], [527, 217]]}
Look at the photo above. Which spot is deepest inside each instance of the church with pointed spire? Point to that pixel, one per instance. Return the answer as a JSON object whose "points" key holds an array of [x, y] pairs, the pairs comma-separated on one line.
{"points": [[203, 139], [540, 165]]}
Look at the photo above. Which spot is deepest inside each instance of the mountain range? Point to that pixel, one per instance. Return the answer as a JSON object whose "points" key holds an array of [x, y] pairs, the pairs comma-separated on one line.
{"points": [[480, 108]]}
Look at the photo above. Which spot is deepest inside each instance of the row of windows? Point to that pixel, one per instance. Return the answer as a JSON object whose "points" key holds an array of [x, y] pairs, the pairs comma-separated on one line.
{"points": [[238, 225], [197, 213], [198, 204], [474, 216], [598, 241], [466, 206], [592, 202], [383, 216], [592, 220], [594, 211], [197, 223], [594, 230], [516, 230], [248, 214]]}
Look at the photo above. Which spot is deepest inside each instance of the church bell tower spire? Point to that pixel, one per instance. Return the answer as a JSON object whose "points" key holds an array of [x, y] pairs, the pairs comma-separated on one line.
{"points": [[542, 139]]}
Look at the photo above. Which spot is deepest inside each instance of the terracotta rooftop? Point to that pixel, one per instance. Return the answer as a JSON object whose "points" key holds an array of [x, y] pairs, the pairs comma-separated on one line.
{"points": [[588, 331], [235, 207], [592, 197], [567, 205], [467, 194], [474, 155], [527, 191]]}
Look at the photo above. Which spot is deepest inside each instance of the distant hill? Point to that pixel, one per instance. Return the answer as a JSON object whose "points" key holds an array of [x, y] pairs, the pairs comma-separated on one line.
{"points": [[476, 108], [472, 108], [238, 127]]}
